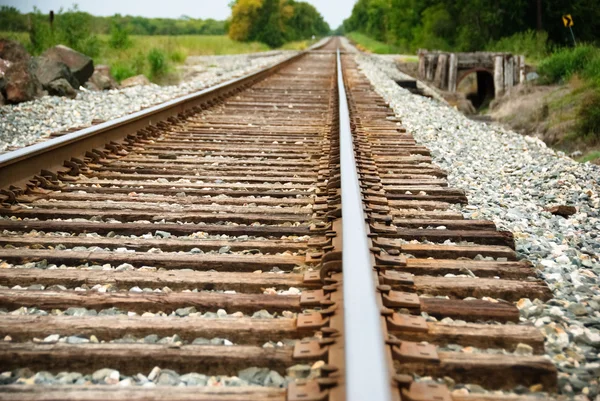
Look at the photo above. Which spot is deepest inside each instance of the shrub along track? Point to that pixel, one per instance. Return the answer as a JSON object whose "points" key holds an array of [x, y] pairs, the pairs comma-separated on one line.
{"points": [[237, 198]]}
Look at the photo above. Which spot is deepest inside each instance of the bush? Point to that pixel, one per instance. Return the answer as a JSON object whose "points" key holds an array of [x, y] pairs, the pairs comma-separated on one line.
{"points": [[561, 65], [70, 28], [532, 44], [588, 124], [121, 71], [41, 36], [178, 56], [119, 37], [158, 62]]}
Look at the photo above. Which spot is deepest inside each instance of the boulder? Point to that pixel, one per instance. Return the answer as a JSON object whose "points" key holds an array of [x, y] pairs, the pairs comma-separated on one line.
{"points": [[4, 66], [61, 87], [48, 70], [13, 51], [81, 66], [21, 83], [101, 79], [135, 81]]}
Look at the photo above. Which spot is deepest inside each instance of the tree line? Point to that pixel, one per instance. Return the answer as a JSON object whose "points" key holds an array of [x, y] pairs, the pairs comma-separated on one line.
{"points": [[275, 22], [469, 25], [11, 19]]}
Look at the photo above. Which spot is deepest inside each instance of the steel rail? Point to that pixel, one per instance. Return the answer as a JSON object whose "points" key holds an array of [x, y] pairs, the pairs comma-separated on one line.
{"points": [[367, 375], [17, 167]]}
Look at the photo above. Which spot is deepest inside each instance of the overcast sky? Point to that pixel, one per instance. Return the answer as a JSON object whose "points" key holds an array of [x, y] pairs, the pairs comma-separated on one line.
{"points": [[334, 11]]}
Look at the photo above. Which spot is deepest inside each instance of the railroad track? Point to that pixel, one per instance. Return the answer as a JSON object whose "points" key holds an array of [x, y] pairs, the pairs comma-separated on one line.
{"points": [[201, 244]]}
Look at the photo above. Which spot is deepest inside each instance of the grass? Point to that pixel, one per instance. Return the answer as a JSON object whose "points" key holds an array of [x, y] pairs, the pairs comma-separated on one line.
{"points": [[299, 44], [581, 65], [590, 157], [154, 56], [366, 43], [531, 44]]}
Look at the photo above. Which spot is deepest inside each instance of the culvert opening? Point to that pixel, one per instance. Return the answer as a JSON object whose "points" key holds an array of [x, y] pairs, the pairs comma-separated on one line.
{"points": [[478, 87]]}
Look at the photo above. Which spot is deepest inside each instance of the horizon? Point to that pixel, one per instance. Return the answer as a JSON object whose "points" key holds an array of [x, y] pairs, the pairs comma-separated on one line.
{"points": [[218, 10]]}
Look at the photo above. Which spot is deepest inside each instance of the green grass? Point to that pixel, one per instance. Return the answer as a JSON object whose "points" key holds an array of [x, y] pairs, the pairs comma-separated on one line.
{"points": [[581, 63], [22, 37], [589, 157], [299, 44], [134, 60], [364, 42], [532, 44]]}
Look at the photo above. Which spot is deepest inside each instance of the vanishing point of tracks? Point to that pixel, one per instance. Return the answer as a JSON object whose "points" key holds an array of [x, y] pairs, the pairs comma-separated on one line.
{"points": [[283, 228]]}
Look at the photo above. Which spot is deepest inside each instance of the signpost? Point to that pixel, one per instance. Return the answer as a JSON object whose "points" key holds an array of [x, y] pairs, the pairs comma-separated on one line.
{"points": [[568, 22]]}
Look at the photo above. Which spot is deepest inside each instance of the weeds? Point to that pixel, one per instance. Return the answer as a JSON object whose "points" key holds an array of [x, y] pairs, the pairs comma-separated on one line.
{"points": [[372, 45], [71, 29], [532, 44], [178, 56], [562, 64], [158, 63], [119, 37]]}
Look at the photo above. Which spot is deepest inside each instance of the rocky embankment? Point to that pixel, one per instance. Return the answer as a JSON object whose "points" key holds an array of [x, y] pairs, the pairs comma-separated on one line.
{"points": [[37, 112]]}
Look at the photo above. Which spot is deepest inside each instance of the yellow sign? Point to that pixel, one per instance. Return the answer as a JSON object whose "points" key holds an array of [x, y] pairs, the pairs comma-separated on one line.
{"points": [[567, 20]]}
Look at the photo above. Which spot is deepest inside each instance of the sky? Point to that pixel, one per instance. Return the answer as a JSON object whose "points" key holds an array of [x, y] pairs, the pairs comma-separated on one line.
{"points": [[334, 11]]}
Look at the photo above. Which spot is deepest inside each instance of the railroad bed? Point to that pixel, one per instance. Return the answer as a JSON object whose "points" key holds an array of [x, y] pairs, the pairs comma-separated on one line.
{"points": [[208, 251]]}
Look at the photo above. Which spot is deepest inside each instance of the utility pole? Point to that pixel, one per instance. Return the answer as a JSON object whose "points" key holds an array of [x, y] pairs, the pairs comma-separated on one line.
{"points": [[539, 15]]}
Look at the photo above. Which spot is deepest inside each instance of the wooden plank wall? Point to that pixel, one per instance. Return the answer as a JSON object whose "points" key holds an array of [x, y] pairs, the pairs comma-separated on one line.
{"points": [[444, 69]]}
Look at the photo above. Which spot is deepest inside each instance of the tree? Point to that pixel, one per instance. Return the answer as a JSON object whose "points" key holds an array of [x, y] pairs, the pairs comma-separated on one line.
{"points": [[274, 21]]}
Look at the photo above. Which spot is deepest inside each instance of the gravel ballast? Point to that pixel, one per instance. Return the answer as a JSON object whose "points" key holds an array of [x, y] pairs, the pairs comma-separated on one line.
{"points": [[25, 123], [510, 179]]}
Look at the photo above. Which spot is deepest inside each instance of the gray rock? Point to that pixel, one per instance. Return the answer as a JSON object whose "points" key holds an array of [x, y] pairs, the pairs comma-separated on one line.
{"points": [[201, 341], [167, 378], [182, 312], [43, 378], [76, 312], [151, 339], [80, 65], [274, 379], [254, 375], [524, 349], [194, 379], [102, 375], [61, 87], [163, 234], [262, 314], [77, 340], [299, 371], [577, 309], [475, 388], [225, 249], [49, 70], [68, 377], [138, 80], [102, 79], [110, 312]]}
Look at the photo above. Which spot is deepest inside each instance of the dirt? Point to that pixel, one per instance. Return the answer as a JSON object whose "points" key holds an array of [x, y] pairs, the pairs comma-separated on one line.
{"points": [[548, 112]]}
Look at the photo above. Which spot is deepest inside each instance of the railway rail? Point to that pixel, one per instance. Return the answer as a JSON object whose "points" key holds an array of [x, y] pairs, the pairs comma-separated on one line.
{"points": [[279, 237]]}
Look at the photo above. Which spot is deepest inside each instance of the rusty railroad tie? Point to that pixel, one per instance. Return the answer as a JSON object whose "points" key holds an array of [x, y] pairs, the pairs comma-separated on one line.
{"points": [[303, 170]]}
